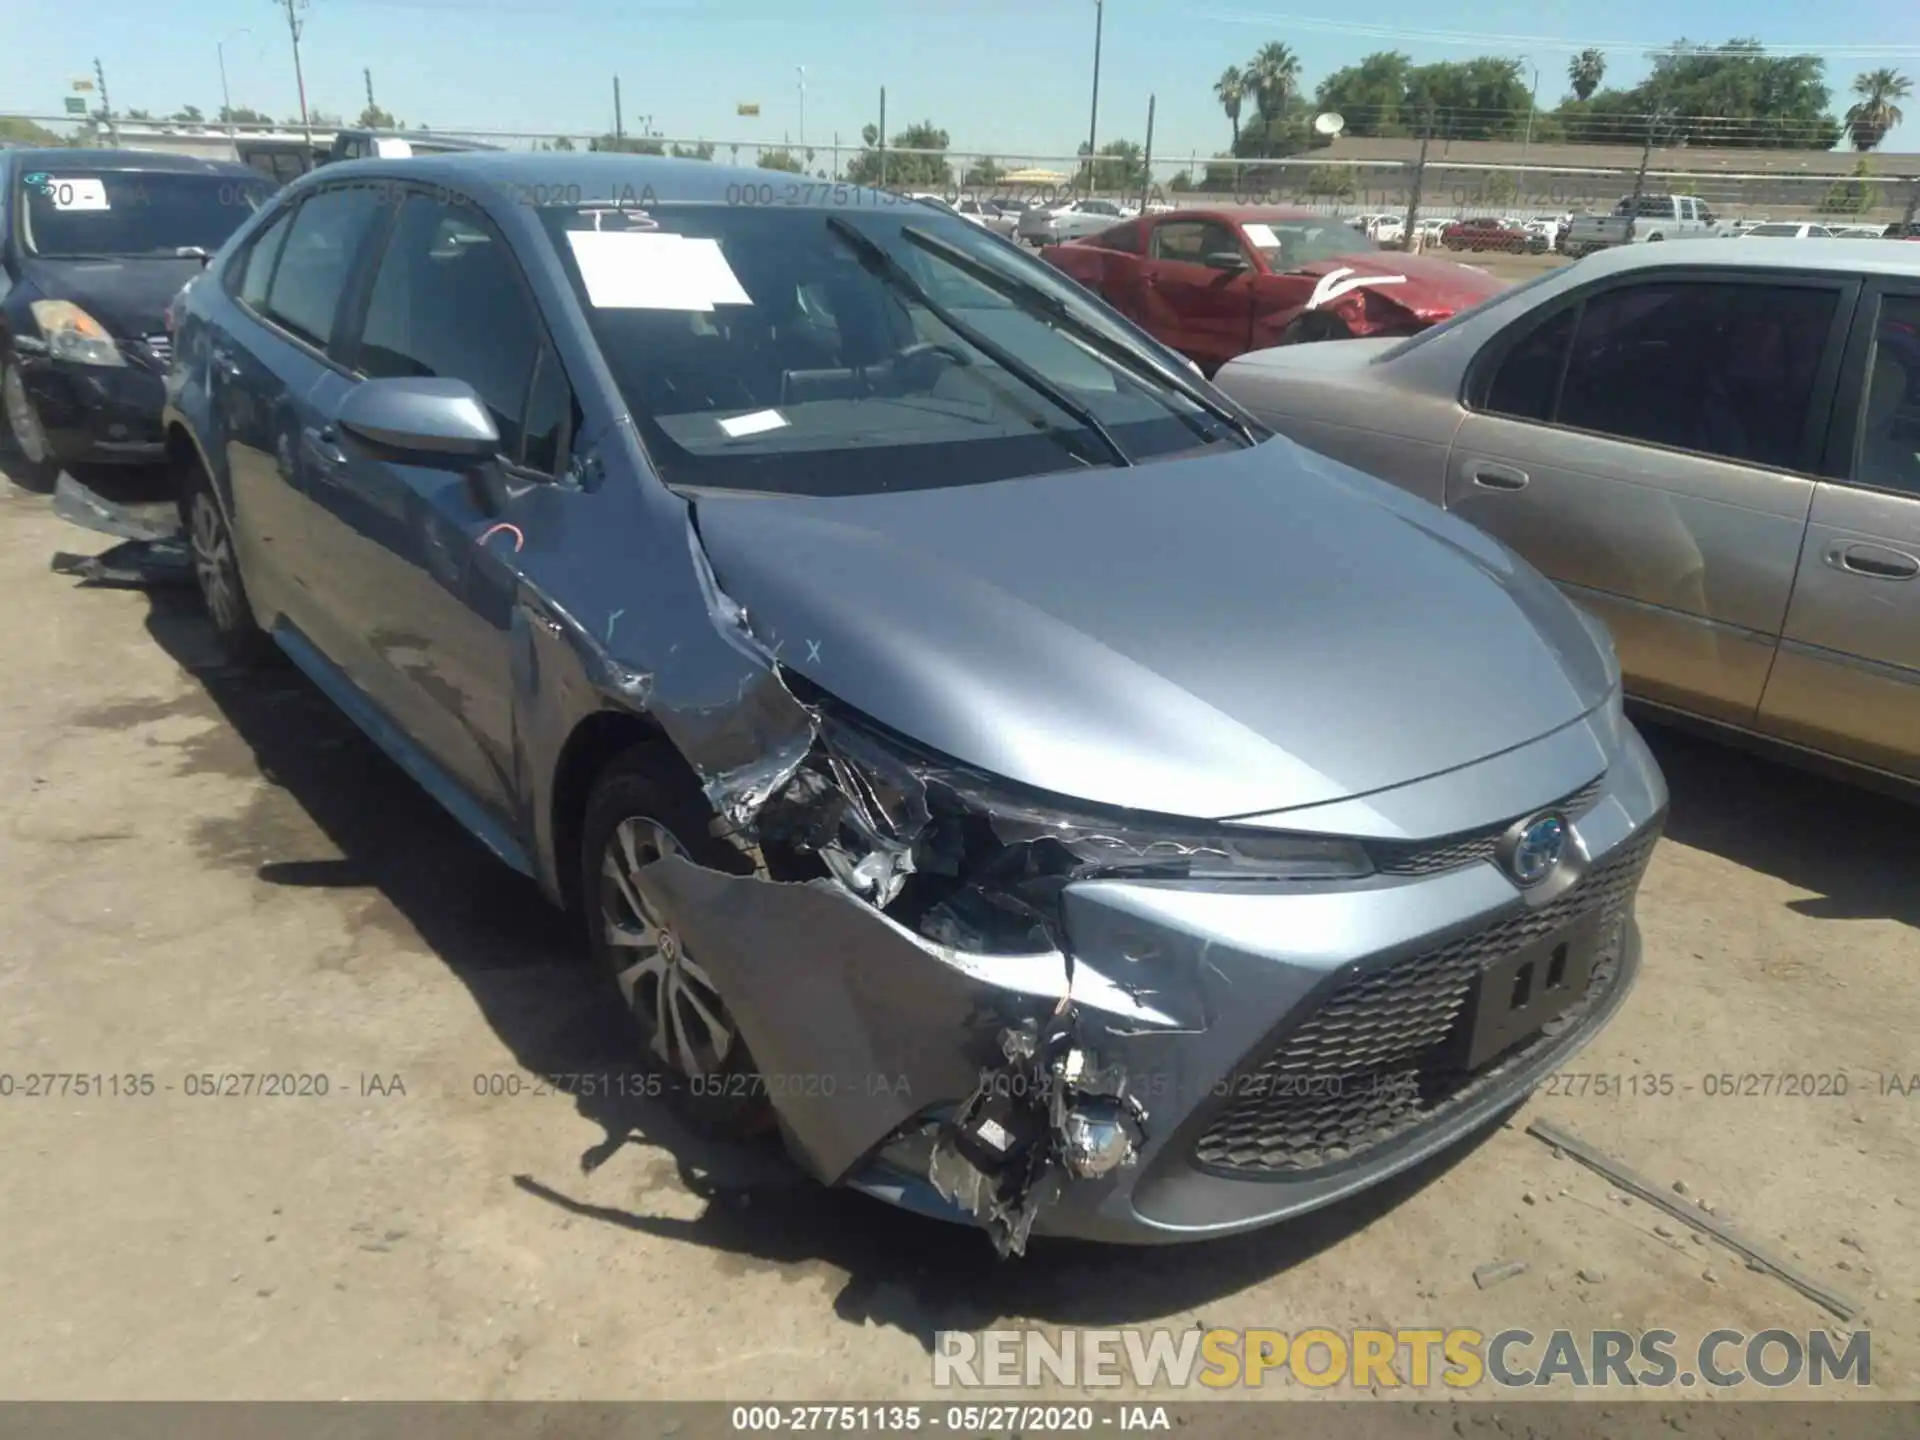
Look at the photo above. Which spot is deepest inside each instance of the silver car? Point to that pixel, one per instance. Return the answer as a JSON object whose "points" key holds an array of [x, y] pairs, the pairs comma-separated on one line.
{"points": [[1075, 221], [974, 747], [1715, 448]]}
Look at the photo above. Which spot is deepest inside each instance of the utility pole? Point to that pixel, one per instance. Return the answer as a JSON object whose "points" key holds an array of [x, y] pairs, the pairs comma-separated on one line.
{"points": [[1419, 175], [1093, 119], [294, 27], [1913, 202], [801, 71], [1146, 164], [368, 76], [220, 49], [883, 137], [1640, 177], [1533, 105], [619, 133], [106, 105]]}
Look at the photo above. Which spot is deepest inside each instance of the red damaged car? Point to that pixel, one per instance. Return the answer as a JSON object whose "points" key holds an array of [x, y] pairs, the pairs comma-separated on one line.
{"points": [[1214, 284]]}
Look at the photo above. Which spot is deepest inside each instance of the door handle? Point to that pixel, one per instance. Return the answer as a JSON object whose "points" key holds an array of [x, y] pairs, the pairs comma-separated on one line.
{"points": [[1876, 562], [1497, 477]]}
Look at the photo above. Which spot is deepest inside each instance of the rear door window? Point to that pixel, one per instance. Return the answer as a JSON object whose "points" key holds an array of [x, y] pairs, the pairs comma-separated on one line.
{"points": [[316, 259], [256, 269], [1887, 445]]}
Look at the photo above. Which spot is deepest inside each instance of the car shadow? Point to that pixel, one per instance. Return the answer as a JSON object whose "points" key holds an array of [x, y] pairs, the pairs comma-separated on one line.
{"points": [[1855, 850]]}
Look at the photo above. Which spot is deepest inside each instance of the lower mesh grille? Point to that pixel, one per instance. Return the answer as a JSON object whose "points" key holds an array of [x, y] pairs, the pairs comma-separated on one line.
{"points": [[1380, 1054]]}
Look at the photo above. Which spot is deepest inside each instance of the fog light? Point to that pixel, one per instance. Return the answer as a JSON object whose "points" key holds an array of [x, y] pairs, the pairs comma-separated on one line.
{"points": [[1094, 1139]]}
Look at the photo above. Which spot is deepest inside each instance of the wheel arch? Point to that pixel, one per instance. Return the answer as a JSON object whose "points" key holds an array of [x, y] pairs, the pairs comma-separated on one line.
{"points": [[595, 742]]}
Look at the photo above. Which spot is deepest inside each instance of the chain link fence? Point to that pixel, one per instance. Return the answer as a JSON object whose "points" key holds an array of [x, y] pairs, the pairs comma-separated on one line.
{"points": [[1819, 186]]}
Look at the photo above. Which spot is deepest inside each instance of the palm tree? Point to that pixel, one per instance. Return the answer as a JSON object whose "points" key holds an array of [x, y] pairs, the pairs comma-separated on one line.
{"points": [[1585, 71], [1230, 89], [1869, 121], [1272, 75]]}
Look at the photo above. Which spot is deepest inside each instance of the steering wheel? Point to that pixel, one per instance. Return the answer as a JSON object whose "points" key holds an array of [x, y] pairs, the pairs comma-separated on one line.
{"points": [[918, 359]]}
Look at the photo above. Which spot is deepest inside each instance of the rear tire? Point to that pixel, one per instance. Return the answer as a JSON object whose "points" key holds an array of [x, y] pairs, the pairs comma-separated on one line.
{"points": [[641, 808], [36, 467], [1313, 327], [216, 569]]}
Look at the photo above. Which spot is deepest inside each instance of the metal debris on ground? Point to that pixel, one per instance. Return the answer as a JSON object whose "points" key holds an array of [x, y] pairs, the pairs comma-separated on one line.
{"points": [[1757, 1256], [137, 563]]}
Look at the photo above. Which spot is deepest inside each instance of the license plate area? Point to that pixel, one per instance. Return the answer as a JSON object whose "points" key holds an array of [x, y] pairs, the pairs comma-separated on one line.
{"points": [[1520, 992]]}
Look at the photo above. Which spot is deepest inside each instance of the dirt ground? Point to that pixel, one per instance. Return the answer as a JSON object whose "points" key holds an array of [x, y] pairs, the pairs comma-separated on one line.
{"points": [[209, 871]]}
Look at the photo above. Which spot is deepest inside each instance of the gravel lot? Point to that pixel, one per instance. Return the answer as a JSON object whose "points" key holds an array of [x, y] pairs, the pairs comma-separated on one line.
{"points": [[211, 871]]}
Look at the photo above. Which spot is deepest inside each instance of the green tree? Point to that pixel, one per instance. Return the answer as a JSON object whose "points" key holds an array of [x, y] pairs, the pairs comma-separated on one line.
{"points": [[702, 151], [241, 115], [1874, 114], [782, 160], [1585, 72], [561, 142], [136, 114], [1500, 189], [1855, 195], [984, 171], [1479, 99], [1734, 95], [626, 144], [1370, 96], [916, 172], [1274, 76], [189, 115], [1119, 165], [1181, 182], [1231, 91], [26, 132], [374, 118], [1336, 182]]}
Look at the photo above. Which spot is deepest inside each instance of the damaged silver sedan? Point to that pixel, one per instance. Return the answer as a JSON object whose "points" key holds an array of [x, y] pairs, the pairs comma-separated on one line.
{"points": [[977, 748]]}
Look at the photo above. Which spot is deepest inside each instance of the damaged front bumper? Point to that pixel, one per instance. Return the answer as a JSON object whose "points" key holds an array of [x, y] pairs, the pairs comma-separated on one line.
{"points": [[1191, 1058]]}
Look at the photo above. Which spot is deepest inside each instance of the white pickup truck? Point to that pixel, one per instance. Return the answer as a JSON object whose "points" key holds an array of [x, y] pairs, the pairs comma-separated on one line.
{"points": [[1654, 217]]}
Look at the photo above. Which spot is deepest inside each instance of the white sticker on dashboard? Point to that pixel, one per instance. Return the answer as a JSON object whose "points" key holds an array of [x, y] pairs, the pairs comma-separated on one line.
{"points": [[654, 270], [1262, 237], [758, 423], [76, 194]]}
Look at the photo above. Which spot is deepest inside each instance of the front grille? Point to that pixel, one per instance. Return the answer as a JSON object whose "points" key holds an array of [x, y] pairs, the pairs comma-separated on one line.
{"points": [[160, 347], [1381, 1055], [1431, 857]]}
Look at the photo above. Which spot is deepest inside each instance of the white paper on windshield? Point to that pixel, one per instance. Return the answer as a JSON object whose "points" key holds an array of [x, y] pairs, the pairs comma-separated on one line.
{"points": [[79, 194], [758, 423], [652, 270], [1262, 237]]}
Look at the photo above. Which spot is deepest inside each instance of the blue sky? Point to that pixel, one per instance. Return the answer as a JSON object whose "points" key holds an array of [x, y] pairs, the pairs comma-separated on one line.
{"points": [[1008, 76]]}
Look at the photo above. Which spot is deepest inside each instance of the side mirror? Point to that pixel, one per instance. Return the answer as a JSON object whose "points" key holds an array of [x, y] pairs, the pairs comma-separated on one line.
{"points": [[429, 419], [1225, 260]]}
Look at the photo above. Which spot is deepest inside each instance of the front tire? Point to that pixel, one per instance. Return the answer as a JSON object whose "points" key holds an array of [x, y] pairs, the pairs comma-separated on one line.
{"points": [[37, 467], [641, 810], [1313, 327], [216, 569]]}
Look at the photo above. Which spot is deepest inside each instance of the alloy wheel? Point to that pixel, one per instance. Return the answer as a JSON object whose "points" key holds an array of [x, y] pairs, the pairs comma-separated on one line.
{"points": [[688, 1026], [22, 419], [213, 563]]}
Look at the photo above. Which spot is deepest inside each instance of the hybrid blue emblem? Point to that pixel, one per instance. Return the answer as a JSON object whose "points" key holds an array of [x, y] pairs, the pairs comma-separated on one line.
{"points": [[1537, 849]]}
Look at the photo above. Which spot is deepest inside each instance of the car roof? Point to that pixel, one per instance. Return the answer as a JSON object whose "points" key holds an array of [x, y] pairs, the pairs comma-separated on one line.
{"points": [[1257, 214], [1869, 257], [151, 161]]}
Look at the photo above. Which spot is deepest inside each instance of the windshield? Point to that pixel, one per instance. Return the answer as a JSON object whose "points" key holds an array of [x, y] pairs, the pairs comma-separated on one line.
{"points": [[76, 211], [1284, 244], [766, 350]]}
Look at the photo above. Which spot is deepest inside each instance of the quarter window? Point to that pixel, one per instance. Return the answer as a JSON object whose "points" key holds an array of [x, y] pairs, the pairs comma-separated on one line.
{"points": [[258, 269], [1722, 369], [448, 302], [1888, 453], [316, 258]]}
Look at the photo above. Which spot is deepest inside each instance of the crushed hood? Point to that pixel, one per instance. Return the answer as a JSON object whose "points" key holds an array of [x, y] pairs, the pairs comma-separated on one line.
{"points": [[128, 296], [1226, 633], [1431, 290]]}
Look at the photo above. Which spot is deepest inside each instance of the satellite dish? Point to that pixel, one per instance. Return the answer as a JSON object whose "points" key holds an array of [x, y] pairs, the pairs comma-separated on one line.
{"points": [[1329, 123]]}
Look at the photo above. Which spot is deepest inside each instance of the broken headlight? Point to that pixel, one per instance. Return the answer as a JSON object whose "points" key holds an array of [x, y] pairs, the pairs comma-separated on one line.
{"points": [[978, 863], [73, 334]]}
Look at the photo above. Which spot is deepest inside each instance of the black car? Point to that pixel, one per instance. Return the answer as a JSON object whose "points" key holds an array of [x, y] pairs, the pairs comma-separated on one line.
{"points": [[93, 244]]}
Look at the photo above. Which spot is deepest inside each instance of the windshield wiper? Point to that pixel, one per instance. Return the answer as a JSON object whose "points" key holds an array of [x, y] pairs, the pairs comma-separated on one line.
{"points": [[1035, 301], [876, 260]]}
